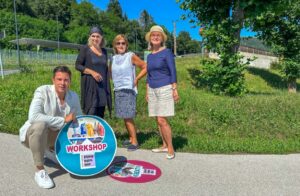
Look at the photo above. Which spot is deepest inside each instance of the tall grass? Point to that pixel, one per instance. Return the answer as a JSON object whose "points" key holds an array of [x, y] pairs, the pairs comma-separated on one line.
{"points": [[266, 120]]}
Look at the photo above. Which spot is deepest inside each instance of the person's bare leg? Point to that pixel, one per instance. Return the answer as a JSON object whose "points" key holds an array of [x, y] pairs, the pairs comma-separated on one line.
{"points": [[129, 123], [166, 133], [164, 144]]}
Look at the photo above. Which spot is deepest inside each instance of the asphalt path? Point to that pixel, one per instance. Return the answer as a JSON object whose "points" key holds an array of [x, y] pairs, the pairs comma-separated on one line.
{"points": [[8, 72], [187, 174]]}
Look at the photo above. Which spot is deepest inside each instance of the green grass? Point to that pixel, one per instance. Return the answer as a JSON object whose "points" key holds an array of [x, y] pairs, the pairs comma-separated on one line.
{"points": [[265, 120]]}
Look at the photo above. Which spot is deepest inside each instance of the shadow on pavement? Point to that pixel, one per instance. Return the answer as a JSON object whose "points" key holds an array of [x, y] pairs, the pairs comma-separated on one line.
{"points": [[59, 170]]}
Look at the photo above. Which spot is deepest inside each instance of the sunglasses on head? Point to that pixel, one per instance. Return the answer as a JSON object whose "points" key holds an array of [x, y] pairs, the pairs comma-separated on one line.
{"points": [[121, 43]]}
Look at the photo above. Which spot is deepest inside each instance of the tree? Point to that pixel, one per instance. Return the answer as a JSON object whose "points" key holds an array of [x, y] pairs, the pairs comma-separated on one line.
{"points": [[114, 8], [185, 44], [281, 30], [223, 21], [29, 27], [21, 6], [77, 35], [52, 9], [83, 14], [113, 25], [145, 20], [133, 35]]}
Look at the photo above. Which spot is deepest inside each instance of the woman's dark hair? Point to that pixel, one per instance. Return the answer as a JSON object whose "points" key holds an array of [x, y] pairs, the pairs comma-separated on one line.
{"points": [[64, 69]]}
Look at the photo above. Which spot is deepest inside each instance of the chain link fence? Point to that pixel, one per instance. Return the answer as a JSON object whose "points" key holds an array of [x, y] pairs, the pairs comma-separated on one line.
{"points": [[10, 58]]}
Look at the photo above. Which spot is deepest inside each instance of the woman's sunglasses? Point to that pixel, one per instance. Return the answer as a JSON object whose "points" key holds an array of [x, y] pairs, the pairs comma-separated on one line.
{"points": [[121, 43]]}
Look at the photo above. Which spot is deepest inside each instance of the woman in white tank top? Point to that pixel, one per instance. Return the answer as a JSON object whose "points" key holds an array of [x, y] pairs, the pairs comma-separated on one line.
{"points": [[125, 86]]}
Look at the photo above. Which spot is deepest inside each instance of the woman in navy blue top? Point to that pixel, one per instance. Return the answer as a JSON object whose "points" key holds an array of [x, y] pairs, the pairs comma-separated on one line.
{"points": [[161, 86]]}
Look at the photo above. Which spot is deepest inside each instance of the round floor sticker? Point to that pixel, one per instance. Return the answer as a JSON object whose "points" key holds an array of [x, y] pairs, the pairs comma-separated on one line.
{"points": [[87, 147], [133, 171]]}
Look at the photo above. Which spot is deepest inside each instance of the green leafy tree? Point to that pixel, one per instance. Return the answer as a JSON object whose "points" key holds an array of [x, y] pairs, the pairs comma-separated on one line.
{"points": [[185, 44], [77, 35], [182, 42], [112, 25], [223, 21], [281, 30], [170, 40], [29, 27], [52, 9], [145, 20], [194, 46], [21, 6], [134, 35], [115, 8], [83, 14]]}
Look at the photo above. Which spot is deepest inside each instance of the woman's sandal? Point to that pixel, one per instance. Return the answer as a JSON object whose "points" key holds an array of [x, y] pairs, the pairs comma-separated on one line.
{"points": [[170, 156], [126, 143], [158, 150]]}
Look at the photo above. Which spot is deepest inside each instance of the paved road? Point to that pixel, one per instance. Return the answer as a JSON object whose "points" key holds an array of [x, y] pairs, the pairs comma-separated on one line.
{"points": [[187, 174], [8, 72]]}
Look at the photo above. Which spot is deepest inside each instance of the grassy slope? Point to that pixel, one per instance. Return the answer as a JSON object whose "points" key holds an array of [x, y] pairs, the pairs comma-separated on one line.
{"points": [[266, 120]]}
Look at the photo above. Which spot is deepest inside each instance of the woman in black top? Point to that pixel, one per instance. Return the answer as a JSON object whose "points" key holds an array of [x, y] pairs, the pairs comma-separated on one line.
{"points": [[92, 63]]}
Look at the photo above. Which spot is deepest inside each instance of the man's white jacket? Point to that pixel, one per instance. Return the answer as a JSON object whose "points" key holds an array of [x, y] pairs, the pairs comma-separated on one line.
{"points": [[44, 106]]}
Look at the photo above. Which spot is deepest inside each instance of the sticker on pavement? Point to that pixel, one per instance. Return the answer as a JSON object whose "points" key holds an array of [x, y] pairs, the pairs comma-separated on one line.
{"points": [[133, 171]]}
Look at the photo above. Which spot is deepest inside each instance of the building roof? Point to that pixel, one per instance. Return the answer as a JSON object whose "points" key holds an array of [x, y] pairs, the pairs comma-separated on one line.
{"points": [[47, 43]]}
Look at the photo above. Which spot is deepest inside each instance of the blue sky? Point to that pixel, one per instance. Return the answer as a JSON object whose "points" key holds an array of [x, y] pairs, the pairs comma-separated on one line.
{"points": [[162, 11]]}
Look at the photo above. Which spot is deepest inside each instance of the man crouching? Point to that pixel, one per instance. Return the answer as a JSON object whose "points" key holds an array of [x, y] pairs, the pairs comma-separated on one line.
{"points": [[51, 107]]}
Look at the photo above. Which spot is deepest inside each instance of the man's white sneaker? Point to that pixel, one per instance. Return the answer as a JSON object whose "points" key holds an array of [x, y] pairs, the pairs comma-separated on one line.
{"points": [[43, 179], [51, 156]]}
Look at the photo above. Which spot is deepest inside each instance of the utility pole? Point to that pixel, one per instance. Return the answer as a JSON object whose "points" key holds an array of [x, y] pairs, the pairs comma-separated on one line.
{"points": [[135, 39], [174, 35], [58, 47], [1, 65], [17, 36]]}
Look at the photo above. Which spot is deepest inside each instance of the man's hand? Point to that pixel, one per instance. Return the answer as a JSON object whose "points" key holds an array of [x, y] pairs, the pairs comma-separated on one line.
{"points": [[70, 117]]}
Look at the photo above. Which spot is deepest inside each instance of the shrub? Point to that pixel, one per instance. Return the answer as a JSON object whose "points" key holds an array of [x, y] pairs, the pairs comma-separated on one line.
{"points": [[291, 69], [226, 77], [276, 65]]}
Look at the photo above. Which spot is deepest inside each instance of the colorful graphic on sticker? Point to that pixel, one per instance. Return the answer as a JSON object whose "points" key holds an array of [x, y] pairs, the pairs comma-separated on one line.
{"points": [[133, 171], [87, 147]]}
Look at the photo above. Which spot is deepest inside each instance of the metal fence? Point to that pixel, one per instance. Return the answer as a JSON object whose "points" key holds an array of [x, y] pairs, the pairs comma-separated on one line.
{"points": [[255, 51], [10, 58]]}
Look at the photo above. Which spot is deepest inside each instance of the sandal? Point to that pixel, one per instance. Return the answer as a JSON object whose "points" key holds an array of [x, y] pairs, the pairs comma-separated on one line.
{"points": [[170, 156], [132, 147], [126, 143], [158, 150]]}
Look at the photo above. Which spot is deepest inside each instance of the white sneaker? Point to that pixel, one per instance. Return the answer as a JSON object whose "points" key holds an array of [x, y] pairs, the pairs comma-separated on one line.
{"points": [[51, 156], [43, 179]]}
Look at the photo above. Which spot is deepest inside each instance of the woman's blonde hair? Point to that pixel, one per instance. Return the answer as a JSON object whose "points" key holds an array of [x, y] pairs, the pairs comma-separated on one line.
{"points": [[102, 44], [163, 43], [117, 38]]}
